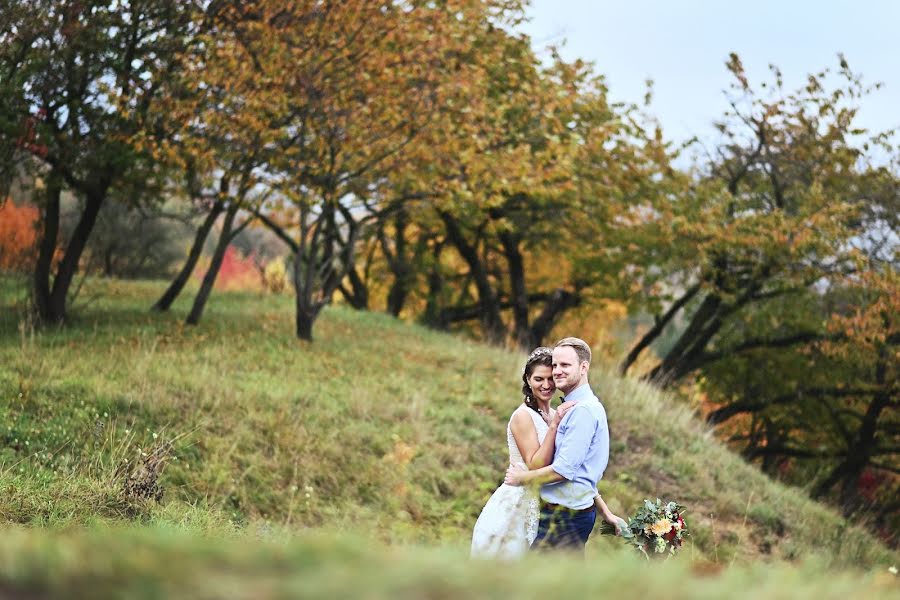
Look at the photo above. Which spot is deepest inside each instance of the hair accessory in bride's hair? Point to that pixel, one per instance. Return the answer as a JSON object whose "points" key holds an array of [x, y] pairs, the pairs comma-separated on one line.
{"points": [[538, 352]]}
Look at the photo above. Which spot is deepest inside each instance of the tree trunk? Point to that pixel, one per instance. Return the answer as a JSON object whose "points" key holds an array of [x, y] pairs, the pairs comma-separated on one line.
{"points": [[65, 273], [515, 263], [306, 309], [165, 301], [305, 319], [358, 294], [774, 436], [210, 278], [398, 261], [660, 323], [665, 372], [491, 322], [859, 453], [322, 262], [305, 326], [688, 354], [49, 234], [397, 295], [433, 315], [558, 303]]}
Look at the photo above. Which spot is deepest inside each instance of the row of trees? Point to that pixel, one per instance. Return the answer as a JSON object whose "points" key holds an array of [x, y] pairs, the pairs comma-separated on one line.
{"points": [[338, 126], [419, 156]]}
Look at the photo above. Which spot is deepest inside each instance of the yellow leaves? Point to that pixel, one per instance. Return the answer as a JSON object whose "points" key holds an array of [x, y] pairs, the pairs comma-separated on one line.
{"points": [[401, 454]]}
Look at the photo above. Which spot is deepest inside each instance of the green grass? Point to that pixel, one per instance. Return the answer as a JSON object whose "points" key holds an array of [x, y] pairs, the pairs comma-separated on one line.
{"points": [[161, 563], [378, 429]]}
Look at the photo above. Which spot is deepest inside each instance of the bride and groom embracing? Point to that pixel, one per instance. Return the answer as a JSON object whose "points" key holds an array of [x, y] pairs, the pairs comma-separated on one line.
{"points": [[549, 497]]}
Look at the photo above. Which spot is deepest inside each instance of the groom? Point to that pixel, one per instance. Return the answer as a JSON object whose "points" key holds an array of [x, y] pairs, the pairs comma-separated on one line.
{"points": [[569, 484]]}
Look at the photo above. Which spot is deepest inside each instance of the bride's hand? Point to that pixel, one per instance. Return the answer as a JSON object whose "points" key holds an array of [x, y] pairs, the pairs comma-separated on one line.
{"points": [[561, 411], [513, 474]]}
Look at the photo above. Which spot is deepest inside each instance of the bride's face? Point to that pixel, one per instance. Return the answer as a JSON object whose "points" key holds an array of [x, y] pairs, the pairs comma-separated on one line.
{"points": [[541, 382]]}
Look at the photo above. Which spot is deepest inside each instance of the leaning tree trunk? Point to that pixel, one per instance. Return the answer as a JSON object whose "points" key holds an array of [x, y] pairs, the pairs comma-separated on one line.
{"points": [[210, 278], [165, 301], [703, 325], [660, 323], [358, 294]]}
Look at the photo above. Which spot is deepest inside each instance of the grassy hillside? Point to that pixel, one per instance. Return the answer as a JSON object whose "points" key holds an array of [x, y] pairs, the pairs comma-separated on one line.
{"points": [[378, 429]]}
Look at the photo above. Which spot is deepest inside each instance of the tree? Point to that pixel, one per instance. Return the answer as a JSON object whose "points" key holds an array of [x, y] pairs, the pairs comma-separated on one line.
{"points": [[85, 75], [226, 120], [18, 31], [773, 214], [823, 414], [367, 80], [866, 341], [213, 210], [513, 171], [776, 261]]}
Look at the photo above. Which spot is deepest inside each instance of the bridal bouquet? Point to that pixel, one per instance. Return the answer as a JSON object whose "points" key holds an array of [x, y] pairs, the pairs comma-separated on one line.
{"points": [[656, 528]]}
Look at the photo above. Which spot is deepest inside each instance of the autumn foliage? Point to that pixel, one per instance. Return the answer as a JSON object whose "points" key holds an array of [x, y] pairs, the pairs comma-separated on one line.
{"points": [[424, 159], [18, 236], [237, 272]]}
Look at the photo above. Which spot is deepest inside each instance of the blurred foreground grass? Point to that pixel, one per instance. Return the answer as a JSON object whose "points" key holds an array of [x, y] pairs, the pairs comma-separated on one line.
{"points": [[150, 563]]}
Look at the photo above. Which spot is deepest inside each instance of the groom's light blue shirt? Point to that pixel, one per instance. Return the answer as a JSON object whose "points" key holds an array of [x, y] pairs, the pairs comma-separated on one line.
{"points": [[581, 453]]}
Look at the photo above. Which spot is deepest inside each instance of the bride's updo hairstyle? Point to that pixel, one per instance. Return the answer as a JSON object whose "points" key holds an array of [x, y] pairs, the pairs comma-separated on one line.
{"points": [[539, 356]]}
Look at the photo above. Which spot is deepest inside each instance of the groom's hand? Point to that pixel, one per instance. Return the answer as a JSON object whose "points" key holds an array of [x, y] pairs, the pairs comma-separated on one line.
{"points": [[513, 474], [617, 522]]}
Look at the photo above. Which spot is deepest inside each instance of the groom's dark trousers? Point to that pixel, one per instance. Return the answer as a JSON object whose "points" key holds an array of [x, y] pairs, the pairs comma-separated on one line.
{"points": [[561, 528]]}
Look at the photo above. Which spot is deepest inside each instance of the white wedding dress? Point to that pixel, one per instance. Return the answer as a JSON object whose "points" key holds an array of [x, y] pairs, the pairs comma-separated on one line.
{"points": [[508, 522]]}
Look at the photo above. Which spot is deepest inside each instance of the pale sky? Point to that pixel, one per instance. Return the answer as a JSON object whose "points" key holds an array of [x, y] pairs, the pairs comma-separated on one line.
{"points": [[683, 45]]}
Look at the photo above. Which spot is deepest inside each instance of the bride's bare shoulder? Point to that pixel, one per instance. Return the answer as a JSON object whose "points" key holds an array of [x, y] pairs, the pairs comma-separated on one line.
{"points": [[519, 413]]}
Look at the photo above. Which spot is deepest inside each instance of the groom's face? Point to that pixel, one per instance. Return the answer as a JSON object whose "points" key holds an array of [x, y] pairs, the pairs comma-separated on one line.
{"points": [[567, 369]]}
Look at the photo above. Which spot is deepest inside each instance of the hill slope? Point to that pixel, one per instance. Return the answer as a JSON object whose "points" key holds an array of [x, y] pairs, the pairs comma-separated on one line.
{"points": [[380, 428]]}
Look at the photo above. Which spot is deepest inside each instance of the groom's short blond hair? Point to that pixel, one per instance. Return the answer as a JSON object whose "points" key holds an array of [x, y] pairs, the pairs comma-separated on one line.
{"points": [[582, 350]]}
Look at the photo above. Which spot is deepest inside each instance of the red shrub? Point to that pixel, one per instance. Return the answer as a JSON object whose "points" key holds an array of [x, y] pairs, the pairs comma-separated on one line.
{"points": [[236, 273]]}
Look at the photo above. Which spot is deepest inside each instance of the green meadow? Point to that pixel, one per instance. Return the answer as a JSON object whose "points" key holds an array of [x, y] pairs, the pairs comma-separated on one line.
{"points": [[143, 458]]}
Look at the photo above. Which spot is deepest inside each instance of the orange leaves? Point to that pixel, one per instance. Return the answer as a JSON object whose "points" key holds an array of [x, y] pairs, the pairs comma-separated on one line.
{"points": [[18, 236], [873, 325]]}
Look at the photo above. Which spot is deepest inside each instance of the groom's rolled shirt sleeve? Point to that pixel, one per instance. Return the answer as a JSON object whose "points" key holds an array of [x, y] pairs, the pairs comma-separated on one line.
{"points": [[572, 446]]}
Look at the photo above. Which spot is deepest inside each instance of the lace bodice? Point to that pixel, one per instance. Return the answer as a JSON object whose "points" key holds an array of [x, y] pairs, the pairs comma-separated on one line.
{"points": [[514, 455]]}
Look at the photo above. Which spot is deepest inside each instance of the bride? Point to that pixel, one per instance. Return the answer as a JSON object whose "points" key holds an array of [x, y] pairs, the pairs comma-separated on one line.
{"points": [[508, 522]]}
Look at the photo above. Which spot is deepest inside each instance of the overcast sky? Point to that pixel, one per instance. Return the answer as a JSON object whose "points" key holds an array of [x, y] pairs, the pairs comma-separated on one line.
{"points": [[683, 44]]}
